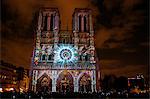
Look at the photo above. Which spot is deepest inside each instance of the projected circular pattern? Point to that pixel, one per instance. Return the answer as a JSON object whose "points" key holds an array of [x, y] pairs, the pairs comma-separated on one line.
{"points": [[65, 54]]}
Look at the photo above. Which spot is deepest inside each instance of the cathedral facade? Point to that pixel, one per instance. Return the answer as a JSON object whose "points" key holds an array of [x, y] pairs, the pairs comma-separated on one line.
{"points": [[64, 61]]}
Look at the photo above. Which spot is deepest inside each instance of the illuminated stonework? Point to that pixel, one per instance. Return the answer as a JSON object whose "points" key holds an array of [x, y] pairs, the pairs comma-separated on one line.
{"points": [[64, 61]]}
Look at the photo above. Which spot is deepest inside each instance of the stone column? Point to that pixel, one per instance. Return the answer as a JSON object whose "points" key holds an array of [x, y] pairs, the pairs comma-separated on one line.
{"points": [[76, 22], [35, 81], [43, 20], [75, 84], [54, 81], [32, 88], [56, 22], [82, 23], [56, 38], [38, 36], [56, 29], [75, 36], [40, 21], [48, 21], [54, 85], [53, 21], [91, 23], [94, 80]]}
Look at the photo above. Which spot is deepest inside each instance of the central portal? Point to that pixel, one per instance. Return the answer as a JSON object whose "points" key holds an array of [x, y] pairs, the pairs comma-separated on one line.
{"points": [[65, 82]]}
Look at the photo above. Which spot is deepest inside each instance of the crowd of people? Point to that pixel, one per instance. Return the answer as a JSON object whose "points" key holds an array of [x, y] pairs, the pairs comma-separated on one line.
{"points": [[100, 94]]}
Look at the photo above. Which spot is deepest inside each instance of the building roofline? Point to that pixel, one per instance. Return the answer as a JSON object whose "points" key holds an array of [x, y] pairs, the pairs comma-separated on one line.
{"points": [[48, 9], [82, 10]]}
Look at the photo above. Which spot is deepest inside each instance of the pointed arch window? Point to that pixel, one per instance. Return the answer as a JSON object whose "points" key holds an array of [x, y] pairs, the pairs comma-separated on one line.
{"points": [[85, 24], [52, 23], [50, 57], [45, 23], [44, 57]]}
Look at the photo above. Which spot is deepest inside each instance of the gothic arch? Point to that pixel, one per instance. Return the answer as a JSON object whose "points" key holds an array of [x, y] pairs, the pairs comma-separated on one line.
{"points": [[84, 82], [42, 73], [65, 82], [81, 74], [62, 72], [44, 84]]}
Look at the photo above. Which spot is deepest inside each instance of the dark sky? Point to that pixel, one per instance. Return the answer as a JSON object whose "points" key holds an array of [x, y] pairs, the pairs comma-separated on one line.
{"points": [[121, 32]]}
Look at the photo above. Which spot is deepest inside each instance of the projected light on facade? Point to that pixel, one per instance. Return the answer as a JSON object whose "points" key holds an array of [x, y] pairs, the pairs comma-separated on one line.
{"points": [[64, 60], [65, 54]]}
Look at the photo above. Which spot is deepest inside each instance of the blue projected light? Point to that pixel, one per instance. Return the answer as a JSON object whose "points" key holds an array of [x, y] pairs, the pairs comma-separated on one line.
{"points": [[65, 54]]}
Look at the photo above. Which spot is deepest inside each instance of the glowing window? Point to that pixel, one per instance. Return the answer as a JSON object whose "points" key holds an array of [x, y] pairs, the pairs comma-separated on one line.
{"points": [[65, 54]]}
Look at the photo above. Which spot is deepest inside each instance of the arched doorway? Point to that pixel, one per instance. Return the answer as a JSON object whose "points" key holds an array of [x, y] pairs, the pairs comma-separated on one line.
{"points": [[44, 84], [85, 83], [65, 82]]}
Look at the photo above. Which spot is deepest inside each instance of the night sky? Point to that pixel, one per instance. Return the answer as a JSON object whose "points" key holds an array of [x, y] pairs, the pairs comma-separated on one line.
{"points": [[121, 32]]}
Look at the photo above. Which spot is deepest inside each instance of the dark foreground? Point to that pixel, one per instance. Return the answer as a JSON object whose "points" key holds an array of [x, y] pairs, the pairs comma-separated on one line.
{"points": [[31, 95]]}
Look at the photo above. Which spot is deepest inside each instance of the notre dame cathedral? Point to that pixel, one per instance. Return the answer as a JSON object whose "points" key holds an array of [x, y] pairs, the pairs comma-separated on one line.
{"points": [[64, 61]]}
